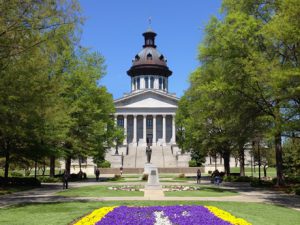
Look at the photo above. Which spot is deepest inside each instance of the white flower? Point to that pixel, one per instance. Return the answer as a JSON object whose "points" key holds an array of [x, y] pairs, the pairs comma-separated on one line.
{"points": [[161, 219]]}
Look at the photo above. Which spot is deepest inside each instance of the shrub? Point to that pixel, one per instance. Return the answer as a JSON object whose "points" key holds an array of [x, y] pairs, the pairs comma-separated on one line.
{"points": [[293, 179], [145, 176], [77, 176], [255, 183], [297, 191], [209, 172], [181, 175], [105, 164], [192, 163], [228, 178], [116, 177], [46, 179], [20, 181], [16, 174]]}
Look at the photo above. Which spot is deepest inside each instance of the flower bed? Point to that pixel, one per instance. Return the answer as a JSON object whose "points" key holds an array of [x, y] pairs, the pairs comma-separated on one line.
{"points": [[125, 188], [181, 188], [161, 215]]}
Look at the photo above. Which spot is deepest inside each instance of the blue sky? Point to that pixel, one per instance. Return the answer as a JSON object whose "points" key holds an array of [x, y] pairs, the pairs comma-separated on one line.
{"points": [[114, 28]]}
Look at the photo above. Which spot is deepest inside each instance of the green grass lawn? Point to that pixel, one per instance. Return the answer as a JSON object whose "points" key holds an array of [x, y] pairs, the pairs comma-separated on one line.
{"points": [[65, 213], [203, 192], [98, 191], [271, 172]]}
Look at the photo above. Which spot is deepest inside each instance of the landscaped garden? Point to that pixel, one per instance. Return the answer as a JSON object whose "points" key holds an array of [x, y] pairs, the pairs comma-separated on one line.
{"points": [[103, 191], [196, 191], [161, 215], [66, 213]]}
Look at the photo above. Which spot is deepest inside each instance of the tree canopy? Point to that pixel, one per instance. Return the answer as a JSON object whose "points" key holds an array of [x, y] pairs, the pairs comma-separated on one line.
{"points": [[52, 103], [248, 81]]}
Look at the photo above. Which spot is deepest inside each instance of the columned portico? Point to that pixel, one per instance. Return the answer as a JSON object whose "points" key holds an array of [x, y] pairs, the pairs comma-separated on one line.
{"points": [[144, 129], [154, 130], [149, 130], [163, 129], [125, 129], [134, 129], [173, 140]]}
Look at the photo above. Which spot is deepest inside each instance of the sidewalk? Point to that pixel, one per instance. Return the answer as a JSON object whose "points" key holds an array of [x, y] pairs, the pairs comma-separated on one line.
{"points": [[46, 194]]}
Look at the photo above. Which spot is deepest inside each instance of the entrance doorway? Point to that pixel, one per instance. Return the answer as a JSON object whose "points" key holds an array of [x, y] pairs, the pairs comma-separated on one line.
{"points": [[149, 139]]}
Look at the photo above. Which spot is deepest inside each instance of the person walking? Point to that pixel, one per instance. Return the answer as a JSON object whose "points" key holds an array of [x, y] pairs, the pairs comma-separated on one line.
{"points": [[66, 179], [97, 173], [198, 176], [121, 170]]}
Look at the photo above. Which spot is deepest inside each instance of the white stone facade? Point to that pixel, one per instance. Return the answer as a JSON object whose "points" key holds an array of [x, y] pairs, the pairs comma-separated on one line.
{"points": [[148, 117]]}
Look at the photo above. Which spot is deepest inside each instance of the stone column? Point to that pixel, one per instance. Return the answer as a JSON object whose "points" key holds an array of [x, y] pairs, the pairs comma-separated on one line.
{"points": [[144, 129], [125, 129], [173, 130], [164, 129], [154, 130], [134, 129]]}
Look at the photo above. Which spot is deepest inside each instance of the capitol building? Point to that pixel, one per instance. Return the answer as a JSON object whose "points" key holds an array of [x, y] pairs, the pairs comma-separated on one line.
{"points": [[147, 113], [147, 116]]}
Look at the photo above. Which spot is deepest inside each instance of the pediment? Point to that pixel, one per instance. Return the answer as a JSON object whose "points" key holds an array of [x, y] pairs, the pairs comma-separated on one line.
{"points": [[147, 99]]}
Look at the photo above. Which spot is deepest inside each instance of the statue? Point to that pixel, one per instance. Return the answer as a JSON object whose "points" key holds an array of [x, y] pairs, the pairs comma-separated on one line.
{"points": [[148, 153]]}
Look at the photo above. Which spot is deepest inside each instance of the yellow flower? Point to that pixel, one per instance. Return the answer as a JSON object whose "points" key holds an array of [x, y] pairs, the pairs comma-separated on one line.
{"points": [[95, 216], [227, 216]]}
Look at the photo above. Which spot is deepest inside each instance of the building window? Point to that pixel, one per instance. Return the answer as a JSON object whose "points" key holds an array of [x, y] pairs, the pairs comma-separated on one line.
{"points": [[134, 85], [164, 83], [149, 56], [160, 83], [149, 123], [146, 82], [138, 83], [120, 122], [151, 82]]}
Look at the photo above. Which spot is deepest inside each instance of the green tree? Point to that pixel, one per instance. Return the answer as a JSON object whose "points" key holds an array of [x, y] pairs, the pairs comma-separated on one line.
{"points": [[34, 36], [90, 107], [248, 81]]}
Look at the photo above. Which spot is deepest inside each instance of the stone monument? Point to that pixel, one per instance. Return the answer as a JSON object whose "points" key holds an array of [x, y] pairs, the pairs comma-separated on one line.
{"points": [[153, 179]]}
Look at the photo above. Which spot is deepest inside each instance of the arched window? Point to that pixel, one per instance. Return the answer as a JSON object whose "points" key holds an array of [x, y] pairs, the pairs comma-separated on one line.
{"points": [[151, 82], [120, 122], [138, 83], [146, 82], [160, 83], [149, 56]]}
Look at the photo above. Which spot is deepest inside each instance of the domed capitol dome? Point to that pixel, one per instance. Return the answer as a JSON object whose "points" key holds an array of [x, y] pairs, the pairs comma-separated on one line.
{"points": [[149, 60]]}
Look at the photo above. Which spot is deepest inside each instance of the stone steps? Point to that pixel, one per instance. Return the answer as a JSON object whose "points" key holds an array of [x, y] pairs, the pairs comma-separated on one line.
{"points": [[169, 158], [161, 157]]}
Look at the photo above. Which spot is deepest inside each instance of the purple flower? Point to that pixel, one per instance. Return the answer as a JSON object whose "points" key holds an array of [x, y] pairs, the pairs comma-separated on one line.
{"points": [[178, 215]]}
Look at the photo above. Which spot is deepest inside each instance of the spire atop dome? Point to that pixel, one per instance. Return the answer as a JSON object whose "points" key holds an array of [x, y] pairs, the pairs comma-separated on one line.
{"points": [[149, 36], [149, 61]]}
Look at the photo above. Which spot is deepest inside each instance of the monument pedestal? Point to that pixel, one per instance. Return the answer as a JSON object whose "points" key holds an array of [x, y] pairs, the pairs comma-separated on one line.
{"points": [[153, 179]]}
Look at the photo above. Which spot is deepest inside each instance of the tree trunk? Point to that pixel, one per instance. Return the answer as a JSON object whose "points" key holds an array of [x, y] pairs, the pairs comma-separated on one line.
{"points": [[68, 164], [35, 168], [226, 157], [278, 145], [52, 166], [279, 167], [265, 170], [242, 160], [44, 168], [7, 159]]}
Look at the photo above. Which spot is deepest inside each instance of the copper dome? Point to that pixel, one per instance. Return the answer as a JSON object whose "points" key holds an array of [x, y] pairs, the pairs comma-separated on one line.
{"points": [[149, 61]]}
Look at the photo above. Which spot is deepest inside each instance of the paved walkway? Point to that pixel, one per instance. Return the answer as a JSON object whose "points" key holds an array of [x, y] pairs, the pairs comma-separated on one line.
{"points": [[46, 194]]}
